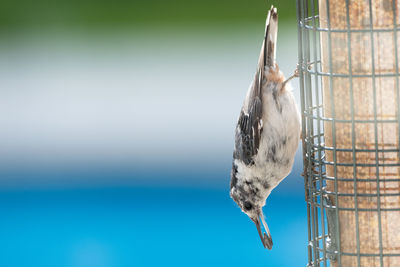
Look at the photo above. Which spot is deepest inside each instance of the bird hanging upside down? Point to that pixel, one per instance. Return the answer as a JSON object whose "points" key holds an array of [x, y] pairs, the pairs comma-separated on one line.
{"points": [[267, 134]]}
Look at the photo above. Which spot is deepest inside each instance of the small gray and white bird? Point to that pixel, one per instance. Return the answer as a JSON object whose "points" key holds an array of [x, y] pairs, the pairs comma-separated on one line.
{"points": [[267, 134]]}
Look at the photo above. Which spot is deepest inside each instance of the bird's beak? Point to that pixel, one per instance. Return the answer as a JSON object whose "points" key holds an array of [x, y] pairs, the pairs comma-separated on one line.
{"points": [[266, 238]]}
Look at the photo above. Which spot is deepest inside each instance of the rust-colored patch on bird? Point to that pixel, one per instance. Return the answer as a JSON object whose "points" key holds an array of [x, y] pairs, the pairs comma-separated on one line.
{"points": [[274, 75]]}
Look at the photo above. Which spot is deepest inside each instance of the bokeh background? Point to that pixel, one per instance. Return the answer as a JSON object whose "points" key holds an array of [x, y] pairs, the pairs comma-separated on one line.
{"points": [[117, 123]]}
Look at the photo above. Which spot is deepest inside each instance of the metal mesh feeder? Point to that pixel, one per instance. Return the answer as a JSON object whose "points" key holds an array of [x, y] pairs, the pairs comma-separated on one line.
{"points": [[351, 130]]}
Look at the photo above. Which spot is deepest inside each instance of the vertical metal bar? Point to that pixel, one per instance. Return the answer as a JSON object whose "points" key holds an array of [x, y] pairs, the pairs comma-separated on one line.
{"points": [[303, 118], [309, 133], [376, 135], [317, 104], [396, 68], [333, 132], [353, 132], [311, 141]]}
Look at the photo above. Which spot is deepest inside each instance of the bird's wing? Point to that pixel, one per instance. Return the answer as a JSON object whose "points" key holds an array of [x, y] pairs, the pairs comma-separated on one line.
{"points": [[250, 125]]}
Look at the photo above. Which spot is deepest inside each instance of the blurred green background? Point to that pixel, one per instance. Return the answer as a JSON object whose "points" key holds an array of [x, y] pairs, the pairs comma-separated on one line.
{"points": [[85, 15]]}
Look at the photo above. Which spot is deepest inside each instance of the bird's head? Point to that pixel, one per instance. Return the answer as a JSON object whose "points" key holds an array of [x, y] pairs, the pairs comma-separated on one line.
{"points": [[247, 195]]}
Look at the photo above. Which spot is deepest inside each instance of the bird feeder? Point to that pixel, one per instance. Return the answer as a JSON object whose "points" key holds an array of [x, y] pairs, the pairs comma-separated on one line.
{"points": [[350, 98]]}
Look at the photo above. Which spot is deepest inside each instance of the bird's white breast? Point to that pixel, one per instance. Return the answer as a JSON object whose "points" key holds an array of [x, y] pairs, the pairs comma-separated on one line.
{"points": [[279, 138]]}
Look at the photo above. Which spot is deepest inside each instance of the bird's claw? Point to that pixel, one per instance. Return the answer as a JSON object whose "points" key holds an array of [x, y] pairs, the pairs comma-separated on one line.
{"points": [[296, 71]]}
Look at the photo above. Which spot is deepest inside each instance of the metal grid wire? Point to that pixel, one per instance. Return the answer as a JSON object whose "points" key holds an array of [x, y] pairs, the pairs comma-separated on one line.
{"points": [[322, 167]]}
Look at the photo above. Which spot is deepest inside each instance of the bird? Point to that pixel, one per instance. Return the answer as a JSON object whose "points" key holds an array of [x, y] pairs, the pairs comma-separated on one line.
{"points": [[266, 135]]}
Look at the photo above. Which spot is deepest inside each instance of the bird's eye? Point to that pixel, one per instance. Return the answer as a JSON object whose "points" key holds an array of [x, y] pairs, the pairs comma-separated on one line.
{"points": [[248, 205]]}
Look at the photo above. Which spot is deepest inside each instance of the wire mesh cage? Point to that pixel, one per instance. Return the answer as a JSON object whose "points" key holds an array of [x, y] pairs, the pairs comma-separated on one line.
{"points": [[349, 81]]}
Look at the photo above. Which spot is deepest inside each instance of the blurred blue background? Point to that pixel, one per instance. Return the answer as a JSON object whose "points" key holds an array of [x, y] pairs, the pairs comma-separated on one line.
{"points": [[117, 122]]}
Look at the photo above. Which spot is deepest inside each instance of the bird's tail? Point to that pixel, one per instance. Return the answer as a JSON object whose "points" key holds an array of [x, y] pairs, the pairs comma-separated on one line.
{"points": [[268, 49]]}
